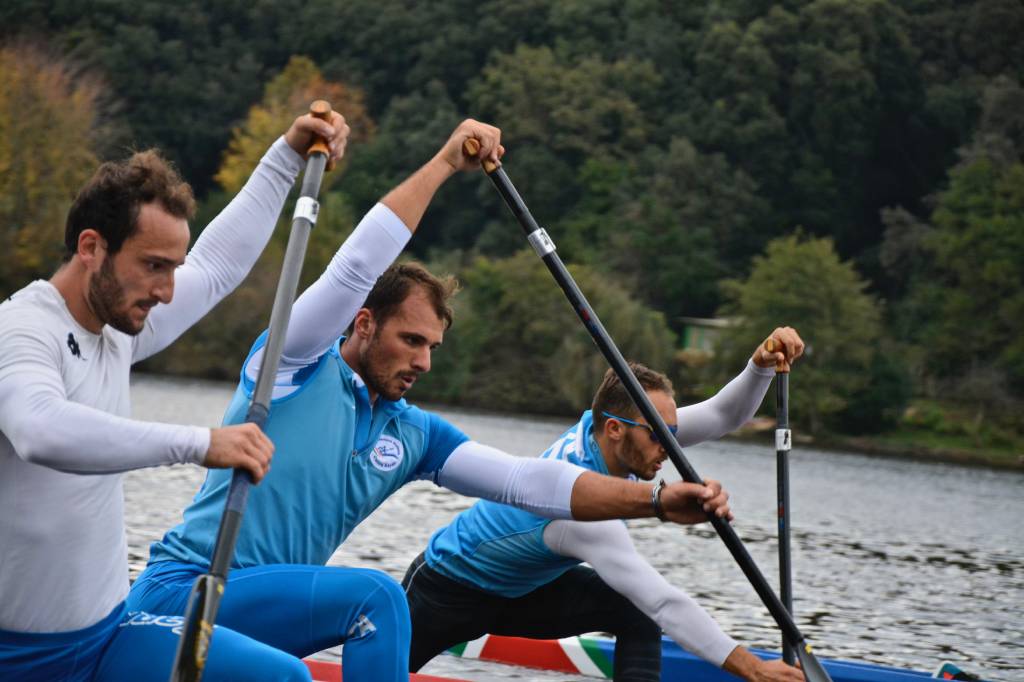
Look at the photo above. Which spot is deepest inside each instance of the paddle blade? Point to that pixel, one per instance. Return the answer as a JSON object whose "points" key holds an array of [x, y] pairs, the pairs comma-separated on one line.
{"points": [[194, 645], [813, 670]]}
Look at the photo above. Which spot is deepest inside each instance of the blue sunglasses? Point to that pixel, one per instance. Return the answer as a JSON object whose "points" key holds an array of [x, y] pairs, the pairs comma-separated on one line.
{"points": [[650, 430]]}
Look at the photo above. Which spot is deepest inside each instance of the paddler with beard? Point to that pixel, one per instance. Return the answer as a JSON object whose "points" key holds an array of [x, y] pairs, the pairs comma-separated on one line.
{"points": [[346, 440]]}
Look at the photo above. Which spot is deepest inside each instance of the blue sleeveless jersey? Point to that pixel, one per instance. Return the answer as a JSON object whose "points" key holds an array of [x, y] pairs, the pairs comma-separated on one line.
{"points": [[500, 549], [335, 461]]}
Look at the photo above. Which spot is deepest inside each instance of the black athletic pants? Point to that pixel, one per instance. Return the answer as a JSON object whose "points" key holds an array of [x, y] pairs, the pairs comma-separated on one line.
{"points": [[445, 612]]}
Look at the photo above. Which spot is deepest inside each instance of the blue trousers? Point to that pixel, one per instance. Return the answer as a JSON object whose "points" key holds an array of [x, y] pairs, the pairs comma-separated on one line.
{"points": [[301, 610], [137, 647]]}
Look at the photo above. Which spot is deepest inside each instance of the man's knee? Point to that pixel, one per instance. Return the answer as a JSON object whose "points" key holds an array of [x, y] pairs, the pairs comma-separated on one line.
{"points": [[390, 593], [385, 604]]}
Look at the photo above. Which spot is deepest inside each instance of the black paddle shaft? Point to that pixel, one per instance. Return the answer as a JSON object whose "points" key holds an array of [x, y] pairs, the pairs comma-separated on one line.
{"points": [[204, 601], [545, 248], [783, 442]]}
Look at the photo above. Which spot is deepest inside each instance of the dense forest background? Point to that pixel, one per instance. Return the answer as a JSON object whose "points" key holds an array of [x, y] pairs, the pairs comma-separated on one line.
{"points": [[854, 168]]}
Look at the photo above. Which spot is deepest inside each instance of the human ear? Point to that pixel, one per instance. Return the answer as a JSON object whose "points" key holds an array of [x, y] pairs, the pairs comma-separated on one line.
{"points": [[364, 324], [614, 429], [92, 248]]}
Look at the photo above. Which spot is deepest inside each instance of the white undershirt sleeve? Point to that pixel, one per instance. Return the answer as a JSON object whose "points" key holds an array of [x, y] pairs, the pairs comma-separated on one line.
{"points": [[225, 251], [540, 486], [324, 310], [727, 410], [46, 428], [607, 547]]}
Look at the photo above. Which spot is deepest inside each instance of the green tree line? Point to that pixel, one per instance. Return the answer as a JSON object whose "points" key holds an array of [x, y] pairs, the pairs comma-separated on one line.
{"points": [[851, 167]]}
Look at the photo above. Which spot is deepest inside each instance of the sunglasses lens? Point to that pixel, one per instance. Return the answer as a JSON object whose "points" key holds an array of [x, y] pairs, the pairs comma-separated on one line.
{"points": [[654, 437]]}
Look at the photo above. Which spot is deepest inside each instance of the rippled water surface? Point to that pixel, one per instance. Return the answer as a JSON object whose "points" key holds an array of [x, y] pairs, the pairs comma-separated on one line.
{"points": [[896, 562]]}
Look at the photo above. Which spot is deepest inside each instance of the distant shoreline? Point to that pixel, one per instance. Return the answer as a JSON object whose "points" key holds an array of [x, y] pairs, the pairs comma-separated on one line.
{"points": [[760, 430]]}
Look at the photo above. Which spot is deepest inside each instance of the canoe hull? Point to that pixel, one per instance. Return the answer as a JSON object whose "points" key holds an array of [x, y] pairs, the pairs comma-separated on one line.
{"points": [[593, 656]]}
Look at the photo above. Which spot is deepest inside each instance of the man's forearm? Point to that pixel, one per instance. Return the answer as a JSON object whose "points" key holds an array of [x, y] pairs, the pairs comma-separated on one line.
{"points": [[727, 410], [606, 546], [596, 498], [410, 199], [45, 429]]}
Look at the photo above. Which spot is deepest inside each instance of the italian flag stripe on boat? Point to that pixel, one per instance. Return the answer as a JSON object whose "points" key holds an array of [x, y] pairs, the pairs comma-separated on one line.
{"points": [[579, 655]]}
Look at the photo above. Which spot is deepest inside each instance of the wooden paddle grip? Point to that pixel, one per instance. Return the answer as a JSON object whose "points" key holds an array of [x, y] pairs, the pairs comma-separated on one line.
{"points": [[770, 346], [321, 109], [471, 147]]}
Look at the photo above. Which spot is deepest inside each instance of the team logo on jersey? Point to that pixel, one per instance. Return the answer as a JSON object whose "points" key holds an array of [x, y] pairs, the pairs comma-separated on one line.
{"points": [[387, 453], [73, 346]]}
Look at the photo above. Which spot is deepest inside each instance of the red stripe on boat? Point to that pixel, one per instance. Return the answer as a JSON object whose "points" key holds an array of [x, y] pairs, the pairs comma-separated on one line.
{"points": [[325, 671], [533, 653]]}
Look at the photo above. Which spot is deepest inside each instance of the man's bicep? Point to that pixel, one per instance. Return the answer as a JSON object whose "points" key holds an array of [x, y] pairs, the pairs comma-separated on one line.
{"points": [[540, 486], [29, 359], [442, 439]]}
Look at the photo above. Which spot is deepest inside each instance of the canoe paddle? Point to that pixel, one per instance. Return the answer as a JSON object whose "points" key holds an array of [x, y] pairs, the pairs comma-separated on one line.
{"points": [[545, 248], [783, 442], [194, 645]]}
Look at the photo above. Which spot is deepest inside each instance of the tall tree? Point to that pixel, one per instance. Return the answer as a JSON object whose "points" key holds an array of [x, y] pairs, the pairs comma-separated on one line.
{"points": [[49, 123], [801, 282], [513, 322], [961, 269], [979, 258], [556, 113], [287, 95], [669, 223], [210, 348]]}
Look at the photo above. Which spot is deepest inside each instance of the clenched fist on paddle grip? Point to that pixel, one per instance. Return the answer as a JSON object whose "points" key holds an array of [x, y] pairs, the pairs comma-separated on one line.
{"points": [[779, 350], [307, 128], [690, 503], [486, 135], [242, 446]]}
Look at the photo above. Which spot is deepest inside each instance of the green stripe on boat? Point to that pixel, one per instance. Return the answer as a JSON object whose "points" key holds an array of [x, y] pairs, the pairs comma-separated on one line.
{"points": [[597, 656]]}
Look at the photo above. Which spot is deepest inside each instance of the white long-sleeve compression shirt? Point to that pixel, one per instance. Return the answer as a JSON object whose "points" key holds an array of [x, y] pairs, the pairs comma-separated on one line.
{"points": [[727, 410], [607, 547], [541, 486], [64, 407]]}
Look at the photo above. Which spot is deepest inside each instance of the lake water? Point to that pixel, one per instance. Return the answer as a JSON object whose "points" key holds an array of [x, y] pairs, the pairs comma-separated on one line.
{"points": [[896, 562]]}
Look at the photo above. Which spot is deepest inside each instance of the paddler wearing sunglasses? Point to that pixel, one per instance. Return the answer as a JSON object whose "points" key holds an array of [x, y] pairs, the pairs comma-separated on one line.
{"points": [[500, 570]]}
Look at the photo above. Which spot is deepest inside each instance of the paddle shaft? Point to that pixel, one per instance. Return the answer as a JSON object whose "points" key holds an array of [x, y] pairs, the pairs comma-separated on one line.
{"points": [[545, 248], [204, 601], [783, 442]]}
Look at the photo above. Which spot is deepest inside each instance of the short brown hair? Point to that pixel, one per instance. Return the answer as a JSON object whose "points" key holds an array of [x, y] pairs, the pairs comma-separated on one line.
{"points": [[398, 281], [613, 398], [110, 202]]}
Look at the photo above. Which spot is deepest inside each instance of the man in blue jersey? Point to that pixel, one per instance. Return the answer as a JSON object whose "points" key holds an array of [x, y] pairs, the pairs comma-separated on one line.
{"points": [[346, 439], [125, 291], [500, 570]]}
